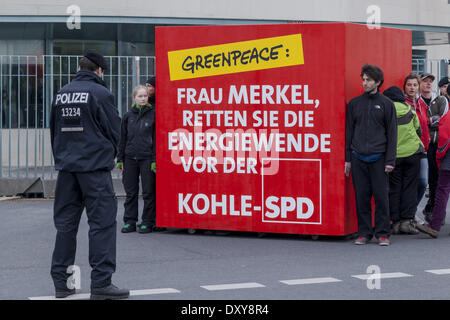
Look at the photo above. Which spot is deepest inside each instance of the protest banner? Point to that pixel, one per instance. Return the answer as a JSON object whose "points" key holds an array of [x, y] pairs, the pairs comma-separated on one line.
{"points": [[251, 123]]}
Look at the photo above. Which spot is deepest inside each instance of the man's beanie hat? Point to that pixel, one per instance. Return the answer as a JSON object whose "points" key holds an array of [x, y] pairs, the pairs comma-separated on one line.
{"points": [[96, 58], [151, 81], [395, 94], [443, 82]]}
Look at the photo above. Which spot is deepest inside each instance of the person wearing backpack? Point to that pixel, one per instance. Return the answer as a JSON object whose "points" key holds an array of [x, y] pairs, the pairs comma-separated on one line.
{"points": [[404, 178]]}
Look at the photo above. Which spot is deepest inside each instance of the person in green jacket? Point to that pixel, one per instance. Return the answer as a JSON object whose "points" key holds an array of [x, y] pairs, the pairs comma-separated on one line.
{"points": [[404, 178]]}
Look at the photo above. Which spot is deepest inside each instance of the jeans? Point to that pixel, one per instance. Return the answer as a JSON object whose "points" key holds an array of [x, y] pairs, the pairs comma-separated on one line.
{"points": [[423, 179]]}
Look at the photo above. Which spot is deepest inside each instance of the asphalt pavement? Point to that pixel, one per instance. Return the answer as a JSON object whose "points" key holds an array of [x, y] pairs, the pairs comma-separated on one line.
{"points": [[220, 265]]}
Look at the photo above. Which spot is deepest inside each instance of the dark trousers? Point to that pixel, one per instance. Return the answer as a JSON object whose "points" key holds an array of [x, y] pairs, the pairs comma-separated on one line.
{"points": [[132, 170], [403, 188], [74, 192], [433, 173], [440, 204], [369, 179]]}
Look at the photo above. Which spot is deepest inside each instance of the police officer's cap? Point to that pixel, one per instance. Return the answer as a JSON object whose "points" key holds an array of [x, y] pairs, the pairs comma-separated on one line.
{"points": [[151, 81], [96, 58]]}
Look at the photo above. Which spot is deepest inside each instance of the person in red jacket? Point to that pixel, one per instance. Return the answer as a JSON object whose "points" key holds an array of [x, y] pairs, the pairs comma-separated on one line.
{"points": [[411, 87], [443, 183]]}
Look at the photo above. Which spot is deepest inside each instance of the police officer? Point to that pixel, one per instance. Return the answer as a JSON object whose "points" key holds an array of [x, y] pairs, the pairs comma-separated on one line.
{"points": [[85, 129]]}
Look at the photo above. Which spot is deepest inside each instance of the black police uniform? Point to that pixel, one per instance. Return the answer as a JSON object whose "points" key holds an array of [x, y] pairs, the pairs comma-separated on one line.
{"points": [[85, 131], [137, 152]]}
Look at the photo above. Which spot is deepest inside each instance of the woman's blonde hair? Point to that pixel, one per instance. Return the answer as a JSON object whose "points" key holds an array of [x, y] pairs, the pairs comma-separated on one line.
{"points": [[137, 88]]}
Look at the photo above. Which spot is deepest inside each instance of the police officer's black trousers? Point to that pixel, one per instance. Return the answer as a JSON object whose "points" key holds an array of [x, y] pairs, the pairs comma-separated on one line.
{"points": [[369, 179], [74, 192], [132, 169]]}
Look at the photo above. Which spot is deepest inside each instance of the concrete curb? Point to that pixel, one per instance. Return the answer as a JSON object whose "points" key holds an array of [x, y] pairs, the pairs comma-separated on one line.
{"points": [[38, 188]]}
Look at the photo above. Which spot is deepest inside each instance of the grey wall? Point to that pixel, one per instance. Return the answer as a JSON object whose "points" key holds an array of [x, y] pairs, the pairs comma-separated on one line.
{"points": [[417, 12]]}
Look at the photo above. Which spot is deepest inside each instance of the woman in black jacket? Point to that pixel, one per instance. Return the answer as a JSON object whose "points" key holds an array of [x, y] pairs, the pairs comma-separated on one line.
{"points": [[136, 158]]}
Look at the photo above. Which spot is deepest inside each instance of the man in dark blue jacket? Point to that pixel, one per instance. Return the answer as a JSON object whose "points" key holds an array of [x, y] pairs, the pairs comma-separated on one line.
{"points": [[85, 130], [370, 153]]}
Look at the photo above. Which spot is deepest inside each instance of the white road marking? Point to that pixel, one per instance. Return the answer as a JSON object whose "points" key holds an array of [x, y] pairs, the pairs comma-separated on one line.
{"points": [[81, 296], [439, 271], [248, 285], [78, 296], [383, 275], [310, 281], [231, 286], [153, 291]]}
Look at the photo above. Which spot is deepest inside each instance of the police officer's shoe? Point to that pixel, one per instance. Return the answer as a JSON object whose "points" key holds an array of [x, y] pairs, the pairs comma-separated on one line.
{"points": [[64, 293], [145, 228], [110, 292], [128, 228]]}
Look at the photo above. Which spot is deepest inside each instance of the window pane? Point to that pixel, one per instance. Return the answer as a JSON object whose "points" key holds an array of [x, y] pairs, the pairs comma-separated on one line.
{"points": [[79, 47], [22, 47]]}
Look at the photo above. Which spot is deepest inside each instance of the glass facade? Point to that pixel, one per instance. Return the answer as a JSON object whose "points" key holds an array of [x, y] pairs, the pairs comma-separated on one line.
{"points": [[20, 91], [36, 59], [31, 47], [418, 60], [111, 39]]}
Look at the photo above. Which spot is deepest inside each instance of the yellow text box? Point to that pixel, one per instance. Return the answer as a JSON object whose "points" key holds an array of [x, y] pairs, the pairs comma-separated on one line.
{"points": [[236, 57]]}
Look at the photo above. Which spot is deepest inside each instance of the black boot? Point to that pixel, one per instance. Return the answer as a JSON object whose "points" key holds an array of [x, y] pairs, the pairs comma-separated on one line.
{"points": [[144, 228], [127, 228], [110, 292], [63, 293]]}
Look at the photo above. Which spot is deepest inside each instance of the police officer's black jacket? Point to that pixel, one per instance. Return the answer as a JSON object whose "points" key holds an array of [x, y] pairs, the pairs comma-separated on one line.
{"points": [[84, 125], [371, 127], [137, 134]]}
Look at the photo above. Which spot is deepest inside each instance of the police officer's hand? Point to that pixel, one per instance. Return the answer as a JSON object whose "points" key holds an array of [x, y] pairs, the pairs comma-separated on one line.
{"points": [[119, 166], [153, 167], [388, 168]]}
